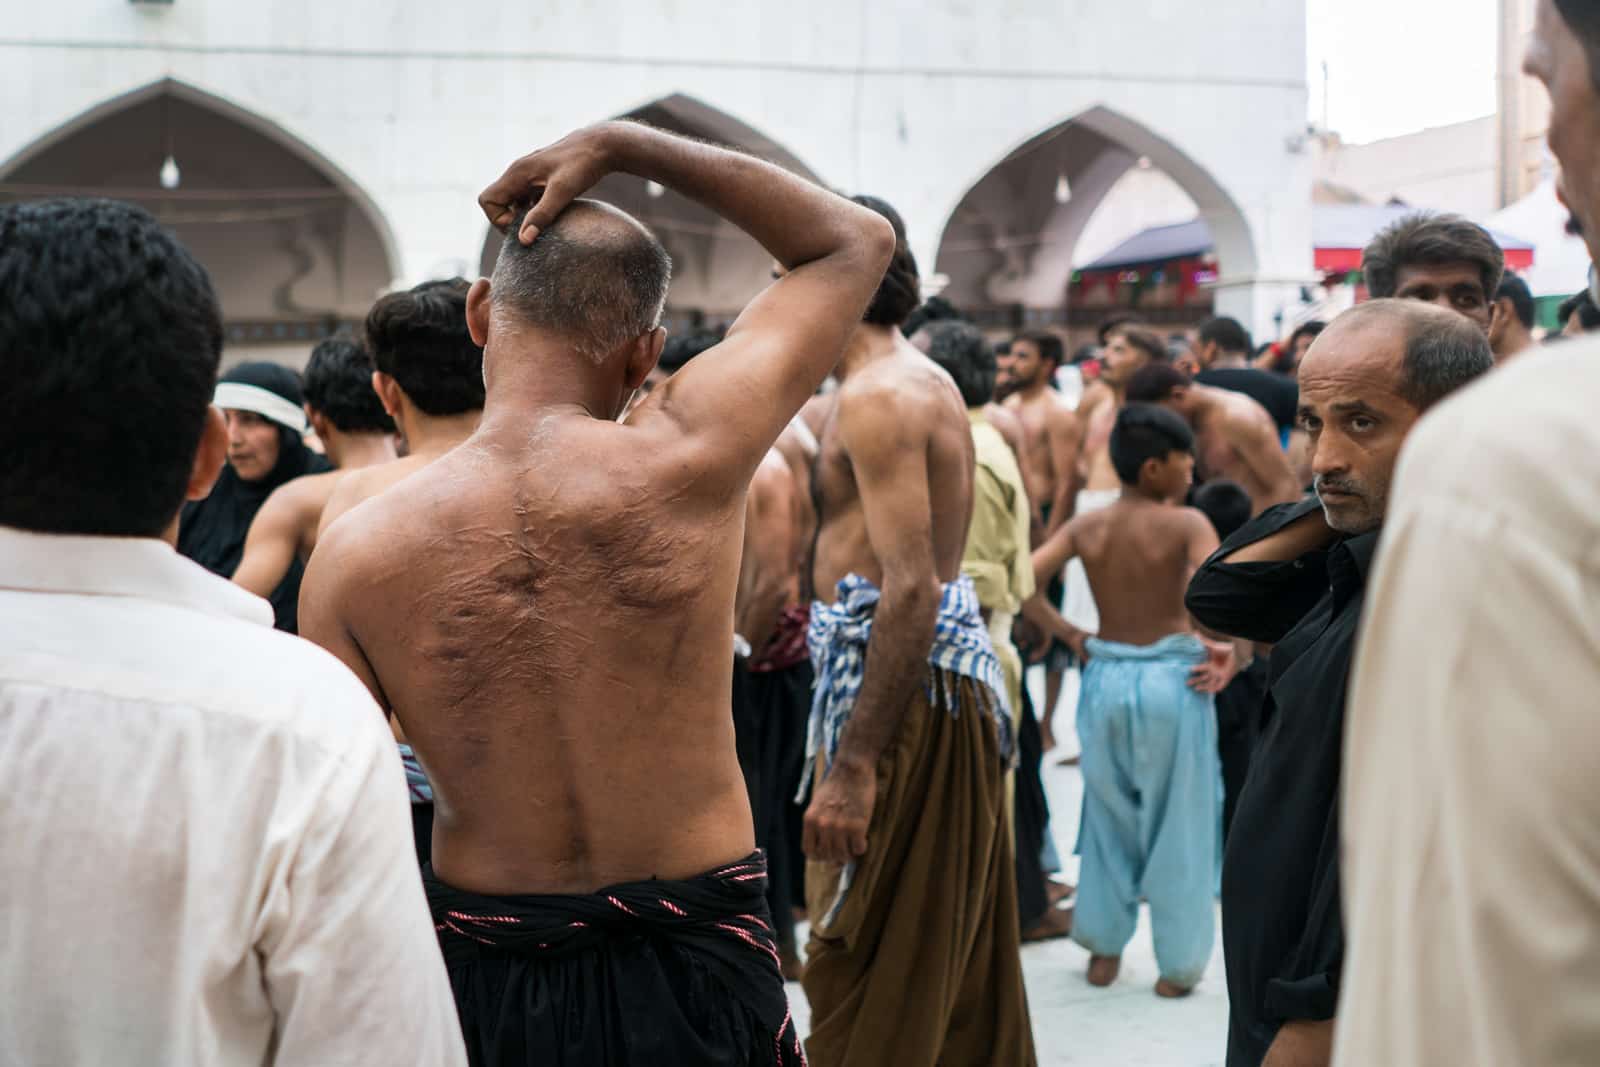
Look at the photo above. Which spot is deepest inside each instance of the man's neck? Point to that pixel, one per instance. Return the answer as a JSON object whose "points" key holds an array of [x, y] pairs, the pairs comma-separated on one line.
{"points": [[348, 451], [431, 436], [1035, 389], [867, 345], [1230, 361]]}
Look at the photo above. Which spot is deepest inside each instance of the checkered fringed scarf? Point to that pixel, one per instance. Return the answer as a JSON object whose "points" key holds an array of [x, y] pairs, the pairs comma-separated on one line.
{"points": [[838, 638]]}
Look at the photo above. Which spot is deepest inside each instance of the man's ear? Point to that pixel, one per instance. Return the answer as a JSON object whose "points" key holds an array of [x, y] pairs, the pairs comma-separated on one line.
{"points": [[209, 457], [642, 357], [478, 312], [1499, 310], [317, 421], [388, 391]]}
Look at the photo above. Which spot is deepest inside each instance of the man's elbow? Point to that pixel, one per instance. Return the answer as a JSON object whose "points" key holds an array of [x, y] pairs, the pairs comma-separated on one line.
{"points": [[875, 242]]}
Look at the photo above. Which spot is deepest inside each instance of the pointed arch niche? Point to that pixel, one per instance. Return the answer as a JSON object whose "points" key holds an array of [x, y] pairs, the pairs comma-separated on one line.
{"points": [[294, 247]]}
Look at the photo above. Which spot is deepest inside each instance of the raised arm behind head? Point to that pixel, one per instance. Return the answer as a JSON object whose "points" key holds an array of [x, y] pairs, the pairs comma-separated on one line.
{"points": [[735, 399]]}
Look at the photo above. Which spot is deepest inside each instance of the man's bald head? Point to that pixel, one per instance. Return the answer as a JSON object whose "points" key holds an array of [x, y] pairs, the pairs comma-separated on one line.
{"points": [[1440, 350], [595, 277]]}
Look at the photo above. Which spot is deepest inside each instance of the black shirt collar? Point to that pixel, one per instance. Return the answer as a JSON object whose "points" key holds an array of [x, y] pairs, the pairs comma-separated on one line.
{"points": [[1349, 562]]}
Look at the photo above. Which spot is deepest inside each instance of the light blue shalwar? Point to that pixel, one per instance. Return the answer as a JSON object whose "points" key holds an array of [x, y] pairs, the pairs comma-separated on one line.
{"points": [[1152, 804]]}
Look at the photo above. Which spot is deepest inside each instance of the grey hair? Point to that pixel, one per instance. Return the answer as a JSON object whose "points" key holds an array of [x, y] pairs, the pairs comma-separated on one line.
{"points": [[1443, 350], [595, 277]]}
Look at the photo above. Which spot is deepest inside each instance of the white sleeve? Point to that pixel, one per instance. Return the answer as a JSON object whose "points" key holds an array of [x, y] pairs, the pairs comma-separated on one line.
{"points": [[350, 958]]}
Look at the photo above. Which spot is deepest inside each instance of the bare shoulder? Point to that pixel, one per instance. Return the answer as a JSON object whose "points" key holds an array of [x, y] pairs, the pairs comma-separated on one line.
{"points": [[1060, 415], [1191, 521], [306, 497], [816, 411], [772, 477], [1096, 395], [896, 400], [1246, 416]]}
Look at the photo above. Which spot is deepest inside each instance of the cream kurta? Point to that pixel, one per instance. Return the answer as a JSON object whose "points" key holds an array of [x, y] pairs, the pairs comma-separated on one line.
{"points": [[208, 855], [1471, 814]]}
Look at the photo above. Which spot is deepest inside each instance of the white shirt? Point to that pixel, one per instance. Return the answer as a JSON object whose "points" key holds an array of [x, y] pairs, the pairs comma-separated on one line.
{"points": [[1471, 812], [204, 829]]}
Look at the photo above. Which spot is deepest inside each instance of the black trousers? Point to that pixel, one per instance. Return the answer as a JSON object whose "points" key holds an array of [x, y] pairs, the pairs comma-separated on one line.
{"points": [[1032, 816], [1238, 722], [770, 712]]}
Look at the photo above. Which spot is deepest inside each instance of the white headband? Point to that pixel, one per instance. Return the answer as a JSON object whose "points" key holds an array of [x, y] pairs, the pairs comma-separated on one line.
{"points": [[264, 402]]}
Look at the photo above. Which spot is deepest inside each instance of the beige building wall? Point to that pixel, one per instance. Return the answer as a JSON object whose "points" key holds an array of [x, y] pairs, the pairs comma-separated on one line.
{"points": [[1524, 109]]}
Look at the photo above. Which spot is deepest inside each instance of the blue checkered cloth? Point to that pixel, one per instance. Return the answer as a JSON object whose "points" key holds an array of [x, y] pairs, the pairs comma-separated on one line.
{"points": [[838, 638]]}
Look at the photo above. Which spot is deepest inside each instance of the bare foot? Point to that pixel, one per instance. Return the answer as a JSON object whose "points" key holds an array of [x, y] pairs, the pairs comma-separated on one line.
{"points": [[1103, 970], [1056, 922], [1171, 990], [1056, 891]]}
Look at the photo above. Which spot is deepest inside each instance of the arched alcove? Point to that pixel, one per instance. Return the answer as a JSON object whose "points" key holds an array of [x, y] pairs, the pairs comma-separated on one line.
{"points": [[1011, 240], [294, 247]]}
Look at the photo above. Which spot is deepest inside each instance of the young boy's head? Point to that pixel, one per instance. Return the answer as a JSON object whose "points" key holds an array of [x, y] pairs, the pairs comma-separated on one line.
{"points": [[1152, 450], [1226, 504]]}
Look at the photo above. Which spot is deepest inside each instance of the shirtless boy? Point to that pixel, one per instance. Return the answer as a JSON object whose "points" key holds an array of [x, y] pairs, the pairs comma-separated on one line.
{"points": [[1151, 778]]}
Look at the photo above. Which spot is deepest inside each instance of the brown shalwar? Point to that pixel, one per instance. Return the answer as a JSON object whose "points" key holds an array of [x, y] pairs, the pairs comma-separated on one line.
{"points": [[921, 965]]}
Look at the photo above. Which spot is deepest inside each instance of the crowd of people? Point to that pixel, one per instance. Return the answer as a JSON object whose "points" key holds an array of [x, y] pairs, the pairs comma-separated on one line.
{"points": [[604, 657]]}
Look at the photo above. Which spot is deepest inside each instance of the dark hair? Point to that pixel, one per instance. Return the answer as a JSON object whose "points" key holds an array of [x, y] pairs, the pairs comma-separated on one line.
{"points": [[1142, 339], [1051, 350], [419, 338], [1155, 382], [1111, 325], [1226, 504], [595, 277], [1516, 290], [1227, 334], [901, 289], [1443, 351], [960, 349], [110, 337], [681, 348], [1583, 19], [1312, 329], [338, 385], [934, 309], [1144, 432], [1430, 240], [1085, 352], [1583, 305]]}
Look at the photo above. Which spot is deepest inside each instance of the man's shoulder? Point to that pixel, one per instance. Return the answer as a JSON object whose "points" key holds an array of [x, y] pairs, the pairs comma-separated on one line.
{"points": [[882, 392], [307, 494]]}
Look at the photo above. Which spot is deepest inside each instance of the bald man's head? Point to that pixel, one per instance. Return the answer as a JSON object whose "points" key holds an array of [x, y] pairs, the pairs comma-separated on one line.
{"points": [[595, 277], [1439, 353]]}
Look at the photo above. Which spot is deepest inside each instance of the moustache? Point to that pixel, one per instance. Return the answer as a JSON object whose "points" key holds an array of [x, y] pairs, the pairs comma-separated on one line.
{"points": [[1334, 485]]}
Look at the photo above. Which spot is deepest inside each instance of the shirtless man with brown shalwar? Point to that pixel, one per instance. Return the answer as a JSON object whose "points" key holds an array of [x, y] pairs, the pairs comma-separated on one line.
{"points": [[911, 887]]}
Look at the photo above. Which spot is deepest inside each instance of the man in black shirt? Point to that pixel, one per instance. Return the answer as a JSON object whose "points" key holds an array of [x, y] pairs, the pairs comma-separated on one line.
{"points": [[1294, 578], [1224, 351]]}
